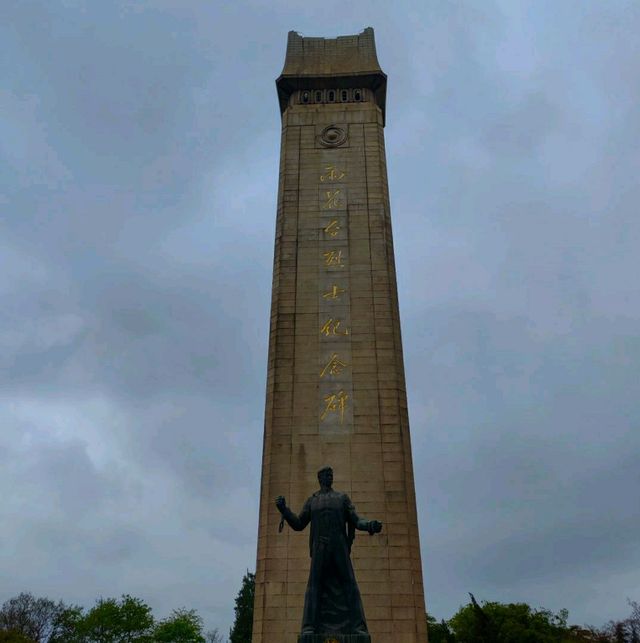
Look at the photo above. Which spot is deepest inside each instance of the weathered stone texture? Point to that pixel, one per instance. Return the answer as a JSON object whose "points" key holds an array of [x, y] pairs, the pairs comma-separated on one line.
{"points": [[368, 444]]}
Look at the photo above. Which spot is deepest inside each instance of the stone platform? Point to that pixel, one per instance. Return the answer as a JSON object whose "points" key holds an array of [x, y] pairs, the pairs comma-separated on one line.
{"points": [[334, 638]]}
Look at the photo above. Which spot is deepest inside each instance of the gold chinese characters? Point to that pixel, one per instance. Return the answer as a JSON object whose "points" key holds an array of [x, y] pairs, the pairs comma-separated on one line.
{"points": [[334, 292], [332, 200], [333, 258], [332, 327], [332, 174], [334, 366], [332, 228], [335, 403]]}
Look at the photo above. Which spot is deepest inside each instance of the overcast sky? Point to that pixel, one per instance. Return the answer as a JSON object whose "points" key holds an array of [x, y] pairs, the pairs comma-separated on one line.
{"points": [[140, 147]]}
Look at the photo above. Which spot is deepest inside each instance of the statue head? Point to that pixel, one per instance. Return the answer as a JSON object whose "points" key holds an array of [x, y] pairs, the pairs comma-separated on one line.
{"points": [[325, 477]]}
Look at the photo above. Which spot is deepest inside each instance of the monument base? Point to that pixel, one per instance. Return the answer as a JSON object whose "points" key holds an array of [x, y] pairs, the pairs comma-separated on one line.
{"points": [[334, 638]]}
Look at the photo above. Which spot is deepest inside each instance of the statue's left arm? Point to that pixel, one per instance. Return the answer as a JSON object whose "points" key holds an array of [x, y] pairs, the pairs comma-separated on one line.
{"points": [[371, 526]]}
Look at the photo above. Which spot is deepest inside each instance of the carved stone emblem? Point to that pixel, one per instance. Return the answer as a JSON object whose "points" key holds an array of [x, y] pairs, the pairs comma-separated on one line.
{"points": [[333, 136]]}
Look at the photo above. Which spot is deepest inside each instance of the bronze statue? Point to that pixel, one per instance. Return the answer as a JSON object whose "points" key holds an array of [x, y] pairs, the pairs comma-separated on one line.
{"points": [[332, 603]]}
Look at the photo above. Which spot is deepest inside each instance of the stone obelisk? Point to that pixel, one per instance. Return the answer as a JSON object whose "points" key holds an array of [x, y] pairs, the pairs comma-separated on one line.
{"points": [[335, 386]]}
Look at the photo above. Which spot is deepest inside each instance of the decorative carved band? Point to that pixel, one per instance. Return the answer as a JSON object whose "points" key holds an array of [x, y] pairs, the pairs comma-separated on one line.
{"points": [[321, 96]]}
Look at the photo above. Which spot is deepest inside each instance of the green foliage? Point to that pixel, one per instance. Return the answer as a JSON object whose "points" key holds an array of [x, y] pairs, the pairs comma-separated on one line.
{"points": [[12, 636], [183, 626], [25, 619], [128, 620], [439, 632], [68, 626], [508, 623], [243, 625]]}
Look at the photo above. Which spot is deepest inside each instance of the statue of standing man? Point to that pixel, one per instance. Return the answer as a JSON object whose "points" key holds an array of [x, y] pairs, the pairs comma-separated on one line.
{"points": [[332, 603]]}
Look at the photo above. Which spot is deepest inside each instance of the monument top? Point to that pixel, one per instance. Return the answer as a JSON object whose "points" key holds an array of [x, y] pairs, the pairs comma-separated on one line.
{"points": [[340, 63]]}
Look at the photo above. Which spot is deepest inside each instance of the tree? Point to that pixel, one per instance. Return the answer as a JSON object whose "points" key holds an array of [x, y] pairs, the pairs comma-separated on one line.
{"points": [[508, 623], [183, 626], [128, 620], [214, 636], [243, 624], [69, 626], [619, 632], [625, 631], [633, 622], [33, 618], [439, 632]]}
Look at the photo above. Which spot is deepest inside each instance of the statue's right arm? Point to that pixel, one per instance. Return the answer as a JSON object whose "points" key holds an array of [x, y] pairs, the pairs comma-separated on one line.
{"points": [[371, 526], [296, 522]]}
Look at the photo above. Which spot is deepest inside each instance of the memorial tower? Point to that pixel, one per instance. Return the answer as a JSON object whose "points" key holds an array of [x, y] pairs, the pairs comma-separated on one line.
{"points": [[335, 386]]}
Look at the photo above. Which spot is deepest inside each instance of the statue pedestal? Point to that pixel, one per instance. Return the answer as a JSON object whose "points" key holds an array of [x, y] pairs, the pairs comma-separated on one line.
{"points": [[334, 638]]}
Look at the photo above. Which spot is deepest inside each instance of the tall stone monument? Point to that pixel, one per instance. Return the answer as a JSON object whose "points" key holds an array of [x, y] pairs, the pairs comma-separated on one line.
{"points": [[335, 386]]}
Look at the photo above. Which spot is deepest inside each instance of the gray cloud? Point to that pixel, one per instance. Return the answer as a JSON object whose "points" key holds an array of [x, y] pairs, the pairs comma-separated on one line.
{"points": [[140, 143]]}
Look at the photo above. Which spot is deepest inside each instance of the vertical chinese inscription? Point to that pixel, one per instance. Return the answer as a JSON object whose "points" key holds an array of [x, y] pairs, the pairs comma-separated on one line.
{"points": [[335, 388]]}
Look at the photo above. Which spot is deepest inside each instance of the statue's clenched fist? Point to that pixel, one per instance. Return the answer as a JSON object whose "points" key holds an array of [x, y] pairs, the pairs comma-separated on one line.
{"points": [[375, 526], [281, 503]]}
